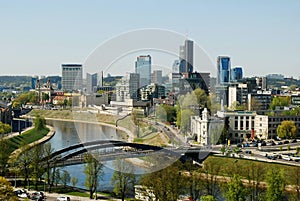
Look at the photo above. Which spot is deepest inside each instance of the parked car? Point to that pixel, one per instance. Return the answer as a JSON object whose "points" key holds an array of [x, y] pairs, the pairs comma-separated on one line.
{"points": [[63, 198], [286, 142], [22, 193], [39, 196], [286, 157], [248, 152], [271, 157]]}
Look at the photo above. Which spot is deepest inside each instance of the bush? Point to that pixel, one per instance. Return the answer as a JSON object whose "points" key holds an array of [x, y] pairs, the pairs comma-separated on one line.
{"points": [[39, 123]]}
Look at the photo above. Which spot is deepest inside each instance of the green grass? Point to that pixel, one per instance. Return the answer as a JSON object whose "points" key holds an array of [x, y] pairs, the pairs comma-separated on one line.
{"points": [[79, 194], [26, 138], [138, 140]]}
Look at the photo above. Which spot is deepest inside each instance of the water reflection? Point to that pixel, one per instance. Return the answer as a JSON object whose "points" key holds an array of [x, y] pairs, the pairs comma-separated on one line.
{"points": [[68, 133]]}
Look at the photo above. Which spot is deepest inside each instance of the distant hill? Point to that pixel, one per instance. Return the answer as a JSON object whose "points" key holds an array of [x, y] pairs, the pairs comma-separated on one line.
{"points": [[21, 81], [15, 81], [278, 83]]}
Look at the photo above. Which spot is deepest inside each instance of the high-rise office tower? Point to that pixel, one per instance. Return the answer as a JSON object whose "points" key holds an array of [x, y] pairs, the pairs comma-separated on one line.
{"points": [[100, 79], [223, 67], [175, 67], [186, 54], [127, 87], [91, 82], [156, 77], [143, 68], [71, 77], [236, 73]]}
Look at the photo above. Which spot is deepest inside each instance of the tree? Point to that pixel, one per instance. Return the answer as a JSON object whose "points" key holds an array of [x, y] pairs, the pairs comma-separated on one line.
{"points": [[39, 123], [57, 176], [293, 178], [193, 181], [280, 101], [211, 168], [4, 156], [202, 98], [74, 181], [23, 162], [236, 190], [161, 113], [37, 169], [276, 185], [287, 129], [45, 97], [208, 198], [4, 128], [165, 184], [185, 119], [48, 150], [237, 106], [6, 191], [123, 178], [254, 173], [65, 177], [166, 113], [93, 171]]}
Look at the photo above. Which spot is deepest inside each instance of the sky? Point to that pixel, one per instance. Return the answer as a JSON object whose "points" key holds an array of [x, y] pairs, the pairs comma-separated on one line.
{"points": [[36, 37]]}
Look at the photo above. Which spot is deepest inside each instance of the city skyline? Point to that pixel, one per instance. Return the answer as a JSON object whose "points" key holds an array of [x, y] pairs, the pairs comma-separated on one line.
{"points": [[262, 37]]}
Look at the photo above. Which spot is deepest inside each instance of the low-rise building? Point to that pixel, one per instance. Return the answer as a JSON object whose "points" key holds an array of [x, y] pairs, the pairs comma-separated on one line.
{"points": [[241, 124], [207, 129]]}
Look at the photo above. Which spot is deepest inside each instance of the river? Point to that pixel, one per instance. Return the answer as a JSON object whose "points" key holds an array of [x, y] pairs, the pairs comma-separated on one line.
{"points": [[69, 133]]}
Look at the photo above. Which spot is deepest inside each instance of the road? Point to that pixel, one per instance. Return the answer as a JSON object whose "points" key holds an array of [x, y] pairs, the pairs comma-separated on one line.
{"points": [[54, 196]]}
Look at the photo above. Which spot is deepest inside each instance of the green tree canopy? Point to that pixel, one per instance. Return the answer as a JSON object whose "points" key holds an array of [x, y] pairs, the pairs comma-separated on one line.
{"points": [[208, 198], [93, 170], [287, 129], [6, 190], [276, 185], [280, 101], [123, 178], [236, 190], [4, 128], [39, 123]]}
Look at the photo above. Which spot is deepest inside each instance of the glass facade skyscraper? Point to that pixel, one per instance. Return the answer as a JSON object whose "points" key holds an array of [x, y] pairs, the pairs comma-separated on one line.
{"points": [[186, 54], [143, 68], [236, 73], [223, 65]]}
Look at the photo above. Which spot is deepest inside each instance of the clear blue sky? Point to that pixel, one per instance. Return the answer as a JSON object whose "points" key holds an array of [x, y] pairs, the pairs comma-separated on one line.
{"points": [[37, 36]]}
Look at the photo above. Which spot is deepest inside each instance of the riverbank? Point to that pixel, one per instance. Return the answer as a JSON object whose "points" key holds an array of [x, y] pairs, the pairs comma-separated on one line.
{"points": [[80, 117], [44, 139]]}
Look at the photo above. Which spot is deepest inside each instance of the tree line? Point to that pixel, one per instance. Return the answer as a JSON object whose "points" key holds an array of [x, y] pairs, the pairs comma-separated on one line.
{"points": [[235, 180]]}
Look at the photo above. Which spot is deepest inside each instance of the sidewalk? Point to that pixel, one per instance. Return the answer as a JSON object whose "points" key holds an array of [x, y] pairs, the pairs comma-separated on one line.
{"points": [[10, 135]]}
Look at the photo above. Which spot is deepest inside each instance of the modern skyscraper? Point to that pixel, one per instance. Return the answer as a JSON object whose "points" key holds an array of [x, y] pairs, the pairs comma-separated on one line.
{"points": [[127, 87], [236, 73], [71, 77], [156, 77], [223, 66], [186, 54], [175, 67], [143, 68], [91, 82]]}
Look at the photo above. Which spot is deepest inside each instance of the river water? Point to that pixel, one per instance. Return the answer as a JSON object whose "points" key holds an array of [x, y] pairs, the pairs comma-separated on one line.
{"points": [[69, 133]]}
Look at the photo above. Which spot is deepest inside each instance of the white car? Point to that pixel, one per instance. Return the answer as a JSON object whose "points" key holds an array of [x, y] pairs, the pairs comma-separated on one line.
{"points": [[63, 198]]}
